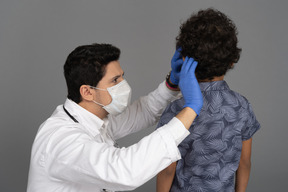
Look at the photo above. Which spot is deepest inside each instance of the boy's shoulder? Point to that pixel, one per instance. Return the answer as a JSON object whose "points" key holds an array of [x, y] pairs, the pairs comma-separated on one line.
{"points": [[218, 91], [243, 101]]}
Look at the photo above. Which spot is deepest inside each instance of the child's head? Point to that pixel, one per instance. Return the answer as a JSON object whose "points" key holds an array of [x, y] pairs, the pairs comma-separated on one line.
{"points": [[210, 37]]}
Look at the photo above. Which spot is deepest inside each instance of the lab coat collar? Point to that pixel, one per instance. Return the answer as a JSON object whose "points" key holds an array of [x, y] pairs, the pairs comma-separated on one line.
{"points": [[91, 122]]}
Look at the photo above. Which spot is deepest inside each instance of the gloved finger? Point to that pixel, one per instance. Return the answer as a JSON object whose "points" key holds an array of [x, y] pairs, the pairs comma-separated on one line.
{"points": [[185, 66], [189, 64], [178, 65], [177, 54], [179, 49], [193, 66]]}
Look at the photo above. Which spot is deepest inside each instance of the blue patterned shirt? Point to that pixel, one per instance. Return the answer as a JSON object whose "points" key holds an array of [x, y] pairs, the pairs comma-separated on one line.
{"points": [[211, 153]]}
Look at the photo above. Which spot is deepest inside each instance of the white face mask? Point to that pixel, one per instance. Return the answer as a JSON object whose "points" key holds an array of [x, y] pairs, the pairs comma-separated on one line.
{"points": [[121, 97]]}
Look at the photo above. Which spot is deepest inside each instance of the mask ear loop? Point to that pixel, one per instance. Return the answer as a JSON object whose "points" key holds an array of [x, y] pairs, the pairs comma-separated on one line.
{"points": [[97, 88], [100, 90], [98, 103]]}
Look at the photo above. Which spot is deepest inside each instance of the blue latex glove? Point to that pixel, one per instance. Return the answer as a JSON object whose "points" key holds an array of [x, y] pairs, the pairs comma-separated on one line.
{"points": [[189, 85], [176, 64]]}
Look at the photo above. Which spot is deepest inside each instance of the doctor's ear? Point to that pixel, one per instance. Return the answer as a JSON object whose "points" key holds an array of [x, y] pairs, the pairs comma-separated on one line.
{"points": [[85, 92]]}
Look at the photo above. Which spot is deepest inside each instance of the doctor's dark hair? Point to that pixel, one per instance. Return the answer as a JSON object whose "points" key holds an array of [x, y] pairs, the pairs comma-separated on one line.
{"points": [[210, 37], [86, 65]]}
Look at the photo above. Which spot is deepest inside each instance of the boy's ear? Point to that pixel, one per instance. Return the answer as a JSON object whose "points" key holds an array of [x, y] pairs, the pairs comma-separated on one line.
{"points": [[231, 65], [85, 92]]}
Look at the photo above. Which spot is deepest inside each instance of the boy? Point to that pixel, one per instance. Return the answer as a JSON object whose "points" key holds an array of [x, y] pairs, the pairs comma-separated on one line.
{"points": [[221, 136]]}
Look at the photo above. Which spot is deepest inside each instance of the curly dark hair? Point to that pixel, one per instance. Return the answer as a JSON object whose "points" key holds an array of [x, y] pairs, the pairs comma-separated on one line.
{"points": [[210, 37], [86, 65]]}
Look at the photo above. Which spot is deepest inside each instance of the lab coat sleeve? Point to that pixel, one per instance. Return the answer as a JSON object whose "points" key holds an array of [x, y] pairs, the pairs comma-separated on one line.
{"points": [[143, 113], [72, 156]]}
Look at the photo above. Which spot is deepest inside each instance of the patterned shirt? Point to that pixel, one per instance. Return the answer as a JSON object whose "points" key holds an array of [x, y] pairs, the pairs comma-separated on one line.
{"points": [[211, 153]]}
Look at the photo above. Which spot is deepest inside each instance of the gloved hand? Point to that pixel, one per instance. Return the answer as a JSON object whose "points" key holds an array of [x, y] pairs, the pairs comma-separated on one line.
{"points": [[176, 64], [189, 85]]}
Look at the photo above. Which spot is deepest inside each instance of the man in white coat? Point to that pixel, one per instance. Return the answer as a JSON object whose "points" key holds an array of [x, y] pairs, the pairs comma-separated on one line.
{"points": [[75, 149]]}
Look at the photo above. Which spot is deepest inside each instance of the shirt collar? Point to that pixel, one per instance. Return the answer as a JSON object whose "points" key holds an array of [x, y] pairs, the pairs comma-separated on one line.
{"points": [[91, 122], [214, 86]]}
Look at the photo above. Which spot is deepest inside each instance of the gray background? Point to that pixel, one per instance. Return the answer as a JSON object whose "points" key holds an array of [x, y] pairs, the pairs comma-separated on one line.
{"points": [[36, 37]]}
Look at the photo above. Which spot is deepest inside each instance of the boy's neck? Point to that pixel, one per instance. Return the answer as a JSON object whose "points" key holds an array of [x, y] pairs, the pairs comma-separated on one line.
{"points": [[218, 78]]}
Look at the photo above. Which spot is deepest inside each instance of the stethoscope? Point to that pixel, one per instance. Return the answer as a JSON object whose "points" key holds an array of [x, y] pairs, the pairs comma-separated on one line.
{"points": [[75, 120]]}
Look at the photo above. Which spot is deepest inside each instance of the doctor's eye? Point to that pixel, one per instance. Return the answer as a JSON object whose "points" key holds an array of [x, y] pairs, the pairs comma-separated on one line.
{"points": [[115, 80]]}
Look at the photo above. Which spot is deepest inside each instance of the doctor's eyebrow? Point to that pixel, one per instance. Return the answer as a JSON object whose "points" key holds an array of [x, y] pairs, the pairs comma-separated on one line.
{"points": [[117, 76]]}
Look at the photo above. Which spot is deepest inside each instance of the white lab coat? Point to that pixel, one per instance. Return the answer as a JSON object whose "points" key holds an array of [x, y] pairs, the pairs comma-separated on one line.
{"points": [[68, 156]]}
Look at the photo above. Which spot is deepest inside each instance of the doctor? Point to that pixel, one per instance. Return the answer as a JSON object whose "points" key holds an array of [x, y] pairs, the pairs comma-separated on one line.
{"points": [[75, 149]]}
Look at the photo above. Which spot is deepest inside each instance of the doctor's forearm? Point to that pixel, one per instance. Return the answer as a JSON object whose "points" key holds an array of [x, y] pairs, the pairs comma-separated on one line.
{"points": [[186, 116]]}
